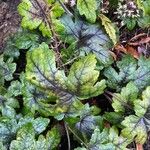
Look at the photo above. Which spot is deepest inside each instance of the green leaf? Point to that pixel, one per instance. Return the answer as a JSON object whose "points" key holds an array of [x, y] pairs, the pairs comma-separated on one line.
{"points": [[81, 81], [53, 138], [87, 38], [39, 123], [130, 23], [79, 148], [87, 8], [35, 100], [108, 140], [41, 71], [8, 105], [144, 22], [7, 68], [137, 126], [26, 139], [109, 27], [146, 7], [88, 121], [124, 101], [2, 147], [23, 39], [8, 128], [15, 88], [114, 118], [129, 70], [35, 15]]}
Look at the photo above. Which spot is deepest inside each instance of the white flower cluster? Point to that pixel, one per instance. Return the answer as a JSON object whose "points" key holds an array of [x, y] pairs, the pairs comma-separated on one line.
{"points": [[127, 9]]}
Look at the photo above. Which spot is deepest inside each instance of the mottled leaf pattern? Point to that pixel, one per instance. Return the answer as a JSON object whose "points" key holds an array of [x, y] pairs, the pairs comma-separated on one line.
{"points": [[87, 38], [137, 126], [129, 70], [78, 85], [36, 14]]}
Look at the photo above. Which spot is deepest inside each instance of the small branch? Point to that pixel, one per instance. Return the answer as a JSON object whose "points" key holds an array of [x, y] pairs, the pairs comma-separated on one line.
{"points": [[78, 137], [68, 137], [114, 95], [69, 62], [65, 8]]}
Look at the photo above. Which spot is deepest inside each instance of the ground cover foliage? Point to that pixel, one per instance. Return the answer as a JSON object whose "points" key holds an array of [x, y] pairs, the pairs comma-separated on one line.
{"points": [[68, 82]]}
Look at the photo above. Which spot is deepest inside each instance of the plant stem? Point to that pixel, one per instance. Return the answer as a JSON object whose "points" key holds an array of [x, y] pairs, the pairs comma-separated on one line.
{"points": [[68, 137], [65, 8], [78, 137]]}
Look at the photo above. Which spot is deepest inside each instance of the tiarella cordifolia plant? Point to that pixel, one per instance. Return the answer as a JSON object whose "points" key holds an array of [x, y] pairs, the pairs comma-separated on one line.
{"points": [[69, 70]]}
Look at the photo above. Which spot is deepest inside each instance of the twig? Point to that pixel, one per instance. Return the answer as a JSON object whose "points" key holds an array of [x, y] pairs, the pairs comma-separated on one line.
{"points": [[68, 137], [114, 95], [65, 8], [50, 24], [78, 137]]}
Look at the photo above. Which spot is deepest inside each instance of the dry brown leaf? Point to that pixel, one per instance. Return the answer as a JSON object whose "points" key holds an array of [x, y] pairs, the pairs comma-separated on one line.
{"points": [[120, 48], [139, 146], [132, 51], [142, 41], [113, 55], [136, 37], [145, 40]]}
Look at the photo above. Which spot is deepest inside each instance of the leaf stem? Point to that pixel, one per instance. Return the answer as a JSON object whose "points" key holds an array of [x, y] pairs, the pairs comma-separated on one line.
{"points": [[68, 137], [78, 137], [65, 8]]}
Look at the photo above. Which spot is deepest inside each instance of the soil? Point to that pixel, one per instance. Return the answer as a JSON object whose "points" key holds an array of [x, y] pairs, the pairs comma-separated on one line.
{"points": [[9, 20]]}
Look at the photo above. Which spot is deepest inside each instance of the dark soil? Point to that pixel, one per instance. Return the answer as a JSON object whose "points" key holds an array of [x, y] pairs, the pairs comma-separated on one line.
{"points": [[9, 20]]}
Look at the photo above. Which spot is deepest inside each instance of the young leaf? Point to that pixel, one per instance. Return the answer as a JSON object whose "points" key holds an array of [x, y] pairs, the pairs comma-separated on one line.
{"points": [[125, 100], [87, 8], [137, 126], [109, 27], [130, 22], [88, 38], [36, 13], [41, 71], [130, 69]]}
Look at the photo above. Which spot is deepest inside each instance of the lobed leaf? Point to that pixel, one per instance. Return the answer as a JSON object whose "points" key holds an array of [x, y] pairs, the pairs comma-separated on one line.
{"points": [[137, 126], [41, 71], [125, 100], [36, 14], [129, 70], [87, 38]]}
